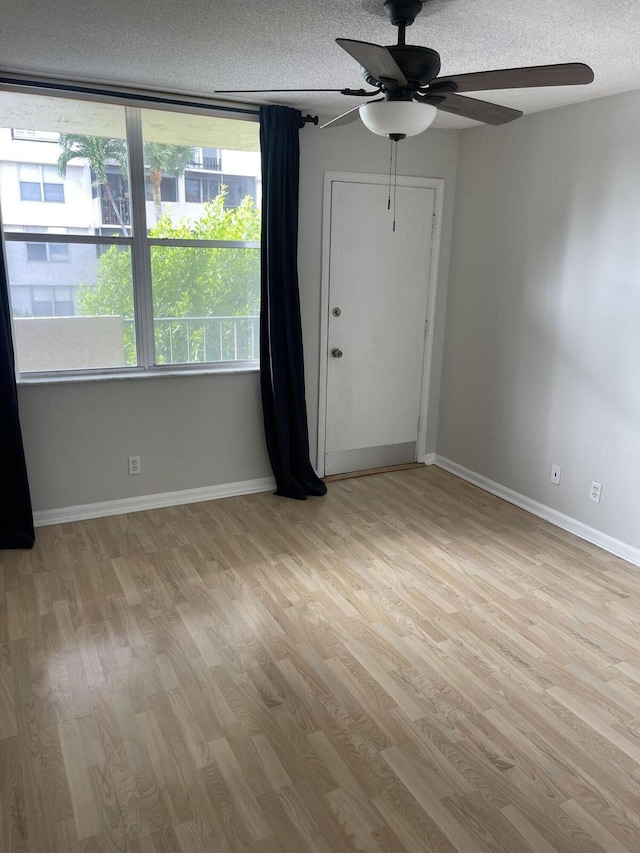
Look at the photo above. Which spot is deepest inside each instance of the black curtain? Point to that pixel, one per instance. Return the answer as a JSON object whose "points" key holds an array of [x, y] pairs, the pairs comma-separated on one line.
{"points": [[16, 520], [281, 358]]}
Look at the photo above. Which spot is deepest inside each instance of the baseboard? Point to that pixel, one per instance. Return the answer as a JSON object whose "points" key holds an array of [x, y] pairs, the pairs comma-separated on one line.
{"points": [[566, 522], [163, 499]]}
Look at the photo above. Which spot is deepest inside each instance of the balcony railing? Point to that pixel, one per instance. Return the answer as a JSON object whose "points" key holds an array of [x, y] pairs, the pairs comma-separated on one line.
{"points": [[193, 340], [115, 212], [211, 164]]}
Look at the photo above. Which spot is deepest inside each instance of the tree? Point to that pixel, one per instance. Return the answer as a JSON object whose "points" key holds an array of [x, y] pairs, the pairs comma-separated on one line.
{"points": [[187, 281], [162, 160], [98, 151]]}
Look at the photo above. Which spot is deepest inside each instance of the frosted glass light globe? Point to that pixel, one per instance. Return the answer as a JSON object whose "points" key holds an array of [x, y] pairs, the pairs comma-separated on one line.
{"points": [[402, 118]]}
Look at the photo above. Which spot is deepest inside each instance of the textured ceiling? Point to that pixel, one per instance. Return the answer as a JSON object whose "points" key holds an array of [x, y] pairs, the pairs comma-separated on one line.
{"points": [[207, 45]]}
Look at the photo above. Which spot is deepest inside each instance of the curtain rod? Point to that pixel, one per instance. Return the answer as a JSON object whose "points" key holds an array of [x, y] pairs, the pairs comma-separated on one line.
{"points": [[132, 95]]}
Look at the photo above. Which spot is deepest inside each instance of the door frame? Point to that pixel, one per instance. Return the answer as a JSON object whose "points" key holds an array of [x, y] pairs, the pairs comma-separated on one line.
{"points": [[436, 184]]}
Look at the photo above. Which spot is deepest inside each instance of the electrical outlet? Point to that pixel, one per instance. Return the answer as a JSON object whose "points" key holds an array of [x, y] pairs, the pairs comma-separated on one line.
{"points": [[596, 490], [134, 465], [556, 471]]}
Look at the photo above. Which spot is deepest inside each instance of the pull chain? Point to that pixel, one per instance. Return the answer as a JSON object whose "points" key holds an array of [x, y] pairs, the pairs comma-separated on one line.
{"points": [[395, 181], [390, 169], [393, 177]]}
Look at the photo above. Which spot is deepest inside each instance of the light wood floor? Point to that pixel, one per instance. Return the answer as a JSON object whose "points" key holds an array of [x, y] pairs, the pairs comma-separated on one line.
{"points": [[407, 665]]}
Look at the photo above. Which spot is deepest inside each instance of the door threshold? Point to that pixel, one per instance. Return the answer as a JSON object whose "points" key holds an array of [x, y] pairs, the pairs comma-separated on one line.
{"points": [[383, 470]]}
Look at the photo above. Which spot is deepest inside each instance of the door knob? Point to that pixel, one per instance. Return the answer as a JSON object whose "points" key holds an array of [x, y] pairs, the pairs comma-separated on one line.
{"points": [[336, 353]]}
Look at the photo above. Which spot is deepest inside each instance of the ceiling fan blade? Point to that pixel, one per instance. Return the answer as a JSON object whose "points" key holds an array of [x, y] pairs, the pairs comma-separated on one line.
{"points": [[565, 74], [266, 91], [478, 110], [348, 117], [375, 59]]}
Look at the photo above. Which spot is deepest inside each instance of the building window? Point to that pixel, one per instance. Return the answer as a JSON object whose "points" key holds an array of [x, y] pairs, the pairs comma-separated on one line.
{"points": [[194, 298], [238, 187], [168, 188], [40, 183], [200, 188], [42, 251], [34, 135], [51, 302], [48, 252]]}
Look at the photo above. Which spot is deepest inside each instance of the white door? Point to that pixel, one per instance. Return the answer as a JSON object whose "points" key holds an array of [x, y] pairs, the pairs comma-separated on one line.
{"points": [[378, 297]]}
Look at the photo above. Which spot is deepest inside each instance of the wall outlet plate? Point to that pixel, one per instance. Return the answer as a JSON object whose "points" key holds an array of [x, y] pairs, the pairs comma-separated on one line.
{"points": [[134, 465], [556, 472], [596, 490]]}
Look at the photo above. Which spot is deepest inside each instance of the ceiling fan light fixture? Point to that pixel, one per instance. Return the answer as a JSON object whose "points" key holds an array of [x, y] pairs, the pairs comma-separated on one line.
{"points": [[397, 118]]}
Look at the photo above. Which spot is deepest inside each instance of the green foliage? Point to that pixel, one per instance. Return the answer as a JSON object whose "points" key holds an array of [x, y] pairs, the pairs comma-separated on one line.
{"points": [[168, 159], [186, 281], [98, 150], [162, 159]]}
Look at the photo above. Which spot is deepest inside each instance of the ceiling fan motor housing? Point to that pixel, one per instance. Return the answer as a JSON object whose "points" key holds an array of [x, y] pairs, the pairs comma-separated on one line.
{"points": [[420, 65]]}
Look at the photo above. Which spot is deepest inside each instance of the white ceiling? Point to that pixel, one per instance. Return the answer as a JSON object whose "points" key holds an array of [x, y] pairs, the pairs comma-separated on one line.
{"points": [[207, 45]]}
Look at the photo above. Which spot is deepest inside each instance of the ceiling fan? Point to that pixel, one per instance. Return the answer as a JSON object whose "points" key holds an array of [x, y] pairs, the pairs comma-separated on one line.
{"points": [[406, 79]]}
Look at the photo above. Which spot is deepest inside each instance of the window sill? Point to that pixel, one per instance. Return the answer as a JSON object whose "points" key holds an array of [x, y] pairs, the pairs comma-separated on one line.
{"points": [[170, 372]]}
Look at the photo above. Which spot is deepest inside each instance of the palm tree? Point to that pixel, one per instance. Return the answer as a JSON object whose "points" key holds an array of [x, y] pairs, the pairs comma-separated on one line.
{"points": [[98, 150], [162, 159]]}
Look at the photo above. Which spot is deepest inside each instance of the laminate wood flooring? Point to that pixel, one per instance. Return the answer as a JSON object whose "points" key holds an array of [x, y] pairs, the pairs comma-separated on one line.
{"points": [[409, 665]]}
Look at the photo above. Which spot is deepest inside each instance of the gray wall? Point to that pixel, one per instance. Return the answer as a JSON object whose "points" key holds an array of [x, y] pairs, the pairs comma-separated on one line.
{"points": [[186, 429], [199, 431], [542, 343]]}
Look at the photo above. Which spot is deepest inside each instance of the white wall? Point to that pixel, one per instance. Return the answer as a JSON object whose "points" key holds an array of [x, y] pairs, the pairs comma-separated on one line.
{"points": [[197, 431], [542, 344]]}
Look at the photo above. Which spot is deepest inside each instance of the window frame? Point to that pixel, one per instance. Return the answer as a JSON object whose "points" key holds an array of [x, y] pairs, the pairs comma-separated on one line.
{"points": [[139, 245], [49, 257], [42, 184]]}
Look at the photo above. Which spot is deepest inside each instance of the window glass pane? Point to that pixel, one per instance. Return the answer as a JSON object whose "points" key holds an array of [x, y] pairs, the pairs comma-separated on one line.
{"points": [[92, 142], [215, 318], [237, 188], [192, 190], [30, 191], [36, 251], [169, 189], [29, 172], [58, 251], [54, 192], [41, 309], [89, 301], [50, 175], [194, 151], [42, 294], [63, 309], [210, 188]]}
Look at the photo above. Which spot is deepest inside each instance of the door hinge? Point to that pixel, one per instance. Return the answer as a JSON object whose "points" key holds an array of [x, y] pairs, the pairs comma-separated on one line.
{"points": [[433, 224], [419, 424], [426, 328]]}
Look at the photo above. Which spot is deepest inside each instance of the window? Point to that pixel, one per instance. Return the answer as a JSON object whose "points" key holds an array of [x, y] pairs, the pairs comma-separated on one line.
{"points": [[211, 159], [35, 136], [51, 302], [91, 287], [238, 186], [46, 251], [205, 261], [207, 158], [40, 183], [168, 188], [198, 188]]}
